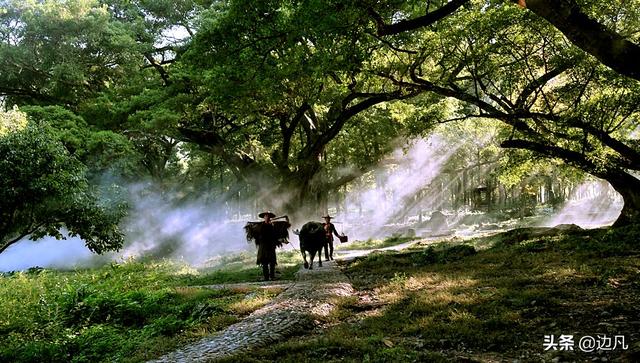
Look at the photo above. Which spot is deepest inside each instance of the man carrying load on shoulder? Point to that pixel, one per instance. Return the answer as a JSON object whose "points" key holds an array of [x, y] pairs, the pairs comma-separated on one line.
{"points": [[268, 237]]}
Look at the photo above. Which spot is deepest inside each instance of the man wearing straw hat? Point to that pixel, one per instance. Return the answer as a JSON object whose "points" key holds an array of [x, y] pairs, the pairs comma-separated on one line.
{"points": [[329, 231], [267, 241]]}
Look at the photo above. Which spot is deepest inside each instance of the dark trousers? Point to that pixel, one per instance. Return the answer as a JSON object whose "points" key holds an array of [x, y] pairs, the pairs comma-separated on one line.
{"points": [[328, 249], [269, 271]]}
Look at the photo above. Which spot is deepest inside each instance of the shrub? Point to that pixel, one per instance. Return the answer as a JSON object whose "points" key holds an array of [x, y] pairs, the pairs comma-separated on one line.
{"points": [[120, 312], [619, 241], [449, 254], [169, 325]]}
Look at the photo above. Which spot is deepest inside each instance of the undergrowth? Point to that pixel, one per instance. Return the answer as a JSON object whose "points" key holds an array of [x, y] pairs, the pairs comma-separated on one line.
{"points": [[122, 312]]}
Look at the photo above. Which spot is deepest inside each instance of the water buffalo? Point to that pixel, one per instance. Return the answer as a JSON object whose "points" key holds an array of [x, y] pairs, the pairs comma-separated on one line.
{"points": [[312, 240]]}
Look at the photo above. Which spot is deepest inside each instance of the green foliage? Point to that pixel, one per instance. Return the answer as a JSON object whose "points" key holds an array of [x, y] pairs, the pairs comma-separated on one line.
{"points": [[588, 243], [12, 121], [618, 241], [101, 151], [126, 312], [293, 98], [61, 52], [43, 188], [274, 88], [93, 57], [376, 132], [621, 240]]}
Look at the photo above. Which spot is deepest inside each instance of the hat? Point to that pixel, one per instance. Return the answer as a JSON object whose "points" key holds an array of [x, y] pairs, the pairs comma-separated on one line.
{"points": [[271, 215], [327, 216]]}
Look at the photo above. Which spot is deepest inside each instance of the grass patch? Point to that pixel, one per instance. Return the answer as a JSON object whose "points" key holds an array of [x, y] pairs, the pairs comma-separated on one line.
{"points": [[127, 312], [461, 302], [241, 267], [372, 243]]}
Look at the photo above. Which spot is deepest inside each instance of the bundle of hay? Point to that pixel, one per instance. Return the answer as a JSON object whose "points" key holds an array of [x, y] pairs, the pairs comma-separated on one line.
{"points": [[252, 231]]}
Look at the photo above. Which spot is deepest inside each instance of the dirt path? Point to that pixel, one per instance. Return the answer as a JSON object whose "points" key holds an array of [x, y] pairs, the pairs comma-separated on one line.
{"points": [[292, 312]]}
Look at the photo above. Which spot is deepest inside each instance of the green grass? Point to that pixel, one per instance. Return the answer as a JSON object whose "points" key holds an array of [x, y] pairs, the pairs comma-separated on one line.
{"points": [[372, 243], [487, 299], [241, 267], [127, 312]]}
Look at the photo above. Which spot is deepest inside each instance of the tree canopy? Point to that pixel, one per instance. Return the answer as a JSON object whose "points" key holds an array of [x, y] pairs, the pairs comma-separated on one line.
{"points": [[503, 63], [294, 100]]}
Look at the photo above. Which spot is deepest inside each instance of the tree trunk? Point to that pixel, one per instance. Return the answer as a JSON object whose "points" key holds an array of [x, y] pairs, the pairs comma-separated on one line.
{"points": [[629, 188], [302, 196]]}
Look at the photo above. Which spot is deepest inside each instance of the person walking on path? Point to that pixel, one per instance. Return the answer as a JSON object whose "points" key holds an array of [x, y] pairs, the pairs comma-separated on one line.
{"points": [[267, 239], [329, 231]]}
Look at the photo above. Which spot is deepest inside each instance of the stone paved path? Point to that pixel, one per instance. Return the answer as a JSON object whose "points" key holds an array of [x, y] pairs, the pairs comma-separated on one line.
{"points": [[293, 311]]}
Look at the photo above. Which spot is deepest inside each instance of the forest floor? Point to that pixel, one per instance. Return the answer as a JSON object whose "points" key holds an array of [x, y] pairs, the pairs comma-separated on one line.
{"points": [[127, 312], [307, 301], [490, 299]]}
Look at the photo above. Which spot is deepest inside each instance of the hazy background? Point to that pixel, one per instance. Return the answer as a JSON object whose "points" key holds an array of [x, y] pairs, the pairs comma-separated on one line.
{"points": [[161, 226]]}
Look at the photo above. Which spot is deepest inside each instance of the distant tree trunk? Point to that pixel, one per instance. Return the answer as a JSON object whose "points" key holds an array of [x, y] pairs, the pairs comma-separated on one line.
{"points": [[455, 194], [303, 193], [466, 199], [490, 195], [548, 189]]}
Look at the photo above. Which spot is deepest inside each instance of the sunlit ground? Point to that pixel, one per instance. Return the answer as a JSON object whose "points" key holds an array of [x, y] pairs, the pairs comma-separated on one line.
{"points": [[449, 303]]}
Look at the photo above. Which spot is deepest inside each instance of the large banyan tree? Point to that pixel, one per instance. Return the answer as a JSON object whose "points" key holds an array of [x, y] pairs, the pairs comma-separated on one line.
{"points": [[292, 75], [500, 61], [274, 83]]}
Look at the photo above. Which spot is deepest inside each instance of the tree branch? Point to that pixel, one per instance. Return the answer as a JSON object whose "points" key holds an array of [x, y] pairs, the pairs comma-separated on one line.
{"points": [[571, 157], [536, 84], [609, 47], [158, 67], [210, 141], [349, 177], [27, 231], [627, 152], [416, 23]]}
